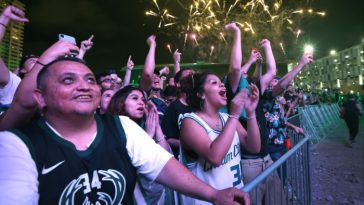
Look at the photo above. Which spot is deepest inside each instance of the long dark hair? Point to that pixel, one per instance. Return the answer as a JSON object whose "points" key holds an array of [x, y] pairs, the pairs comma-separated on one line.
{"points": [[193, 86], [117, 102]]}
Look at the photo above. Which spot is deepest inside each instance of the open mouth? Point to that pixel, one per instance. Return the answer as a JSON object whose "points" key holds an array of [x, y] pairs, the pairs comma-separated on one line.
{"points": [[222, 93], [141, 109], [84, 97]]}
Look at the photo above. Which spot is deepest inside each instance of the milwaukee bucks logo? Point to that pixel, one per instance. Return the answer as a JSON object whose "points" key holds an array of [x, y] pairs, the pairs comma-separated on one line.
{"points": [[83, 184]]}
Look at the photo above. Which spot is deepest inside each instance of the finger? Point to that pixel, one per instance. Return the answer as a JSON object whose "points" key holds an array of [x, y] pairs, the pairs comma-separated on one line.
{"points": [[246, 198], [18, 18], [239, 196], [17, 11], [91, 37], [176, 51], [129, 58]]}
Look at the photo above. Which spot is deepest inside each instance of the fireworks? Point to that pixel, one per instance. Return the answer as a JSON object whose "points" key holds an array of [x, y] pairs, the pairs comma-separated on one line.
{"points": [[169, 48], [211, 50], [193, 36], [206, 18], [281, 45]]}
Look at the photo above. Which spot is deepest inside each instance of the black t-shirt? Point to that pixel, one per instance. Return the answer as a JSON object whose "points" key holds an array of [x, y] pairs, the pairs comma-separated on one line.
{"points": [[170, 121], [263, 98], [289, 96]]}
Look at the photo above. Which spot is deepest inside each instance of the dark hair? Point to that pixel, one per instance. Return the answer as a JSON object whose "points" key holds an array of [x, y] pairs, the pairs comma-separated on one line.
{"points": [[116, 104], [177, 77], [193, 87], [170, 91], [156, 72], [43, 73], [277, 77]]}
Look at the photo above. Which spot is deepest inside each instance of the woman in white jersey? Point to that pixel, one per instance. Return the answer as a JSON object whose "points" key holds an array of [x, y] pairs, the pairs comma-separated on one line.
{"points": [[211, 139]]}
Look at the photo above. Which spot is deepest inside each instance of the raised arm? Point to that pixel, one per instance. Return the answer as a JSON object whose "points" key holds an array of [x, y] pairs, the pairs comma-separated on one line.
{"points": [[286, 79], [10, 13], [129, 68], [255, 56], [271, 65], [235, 57], [85, 46], [176, 59], [149, 65], [24, 106]]}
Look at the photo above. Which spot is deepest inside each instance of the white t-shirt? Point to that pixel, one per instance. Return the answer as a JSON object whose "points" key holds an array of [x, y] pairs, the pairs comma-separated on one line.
{"points": [[18, 171], [7, 92]]}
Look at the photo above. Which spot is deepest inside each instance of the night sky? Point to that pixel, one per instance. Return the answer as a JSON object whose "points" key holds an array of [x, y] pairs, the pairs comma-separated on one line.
{"points": [[120, 28]]}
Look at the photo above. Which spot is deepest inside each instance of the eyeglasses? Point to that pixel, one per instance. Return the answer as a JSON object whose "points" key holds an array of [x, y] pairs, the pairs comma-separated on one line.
{"points": [[107, 80]]}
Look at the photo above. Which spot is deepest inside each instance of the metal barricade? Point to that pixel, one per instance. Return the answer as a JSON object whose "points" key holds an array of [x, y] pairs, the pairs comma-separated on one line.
{"points": [[286, 181], [318, 121]]}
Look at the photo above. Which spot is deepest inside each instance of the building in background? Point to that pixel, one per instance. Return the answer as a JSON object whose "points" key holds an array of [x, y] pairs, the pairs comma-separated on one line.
{"points": [[11, 47], [341, 70]]}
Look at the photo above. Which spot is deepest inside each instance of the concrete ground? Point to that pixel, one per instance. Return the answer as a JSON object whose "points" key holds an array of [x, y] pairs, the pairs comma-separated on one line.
{"points": [[337, 174]]}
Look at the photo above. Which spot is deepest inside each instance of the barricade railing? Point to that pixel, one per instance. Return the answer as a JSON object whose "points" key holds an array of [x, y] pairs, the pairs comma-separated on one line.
{"points": [[286, 181], [318, 121]]}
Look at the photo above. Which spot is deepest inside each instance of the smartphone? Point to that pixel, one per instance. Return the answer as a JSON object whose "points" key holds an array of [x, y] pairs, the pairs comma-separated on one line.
{"points": [[64, 37], [71, 39]]}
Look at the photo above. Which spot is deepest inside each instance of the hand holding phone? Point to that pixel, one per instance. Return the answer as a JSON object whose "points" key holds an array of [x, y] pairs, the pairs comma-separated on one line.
{"points": [[71, 39], [64, 37]]}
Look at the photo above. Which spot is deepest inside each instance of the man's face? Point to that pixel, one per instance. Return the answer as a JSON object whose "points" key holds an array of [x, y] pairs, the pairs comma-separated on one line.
{"points": [[273, 82], [70, 88], [105, 99], [106, 82], [290, 88]]}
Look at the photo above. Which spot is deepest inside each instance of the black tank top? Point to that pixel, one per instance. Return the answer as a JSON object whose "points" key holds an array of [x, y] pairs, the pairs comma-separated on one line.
{"points": [[103, 173]]}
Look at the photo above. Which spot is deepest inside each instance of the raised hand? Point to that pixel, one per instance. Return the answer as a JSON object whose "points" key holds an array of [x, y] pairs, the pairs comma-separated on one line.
{"points": [[232, 27], [255, 56], [237, 103], [151, 119], [87, 44], [176, 56], [164, 71], [251, 102], [12, 13], [307, 58], [151, 41], [130, 64], [60, 48], [265, 43]]}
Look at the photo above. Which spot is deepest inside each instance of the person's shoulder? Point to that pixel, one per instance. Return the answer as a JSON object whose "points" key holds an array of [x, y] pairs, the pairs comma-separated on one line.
{"points": [[125, 119]]}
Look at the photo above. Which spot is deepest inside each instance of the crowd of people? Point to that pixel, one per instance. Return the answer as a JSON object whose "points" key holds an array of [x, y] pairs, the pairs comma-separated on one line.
{"points": [[70, 137]]}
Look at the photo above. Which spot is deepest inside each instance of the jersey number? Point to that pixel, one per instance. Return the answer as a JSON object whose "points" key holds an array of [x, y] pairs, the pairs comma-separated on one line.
{"points": [[237, 174]]}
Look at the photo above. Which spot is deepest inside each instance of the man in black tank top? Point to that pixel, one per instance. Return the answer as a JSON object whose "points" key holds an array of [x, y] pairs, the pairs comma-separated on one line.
{"points": [[72, 156]]}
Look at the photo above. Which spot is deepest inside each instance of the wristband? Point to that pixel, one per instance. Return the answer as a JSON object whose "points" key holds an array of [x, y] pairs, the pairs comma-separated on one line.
{"points": [[251, 117], [40, 63], [234, 116], [160, 139], [3, 25]]}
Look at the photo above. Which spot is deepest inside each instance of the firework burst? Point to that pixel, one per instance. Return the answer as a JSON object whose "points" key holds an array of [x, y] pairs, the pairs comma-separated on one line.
{"points": [[257, 19]]}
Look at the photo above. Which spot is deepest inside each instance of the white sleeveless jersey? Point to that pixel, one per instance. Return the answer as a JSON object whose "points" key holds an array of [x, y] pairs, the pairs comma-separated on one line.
{"points": [[228, 174]]}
